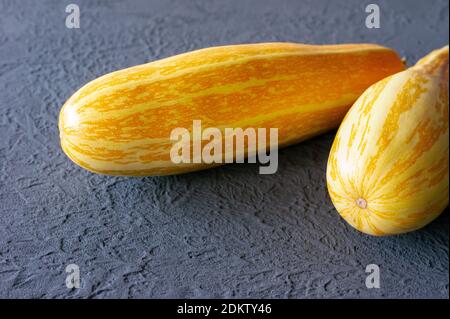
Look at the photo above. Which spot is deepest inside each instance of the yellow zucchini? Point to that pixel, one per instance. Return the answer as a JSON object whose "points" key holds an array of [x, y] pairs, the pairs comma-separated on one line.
{"points": [[120, 123], [388, 168]]}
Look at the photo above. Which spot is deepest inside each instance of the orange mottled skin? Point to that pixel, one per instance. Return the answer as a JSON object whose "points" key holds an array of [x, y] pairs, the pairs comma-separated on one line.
{"points": [[391, 152], [120, 123]]}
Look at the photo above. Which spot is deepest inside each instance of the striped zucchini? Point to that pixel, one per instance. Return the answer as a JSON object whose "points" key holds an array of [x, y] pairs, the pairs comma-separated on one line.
{"points": [[388, 168], [120, 123]]}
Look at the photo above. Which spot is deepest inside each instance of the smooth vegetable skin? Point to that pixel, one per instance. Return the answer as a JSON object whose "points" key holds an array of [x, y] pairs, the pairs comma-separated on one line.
{"points": [[388, 168], [120, 123]]}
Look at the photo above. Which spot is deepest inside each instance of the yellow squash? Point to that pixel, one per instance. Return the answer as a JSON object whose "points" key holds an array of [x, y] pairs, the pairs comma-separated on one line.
{"points": [[120, 123], [388, 170]]}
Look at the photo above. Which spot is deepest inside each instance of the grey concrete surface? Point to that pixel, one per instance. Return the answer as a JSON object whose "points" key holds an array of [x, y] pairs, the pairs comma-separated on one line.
{"points": [[225, 232]]}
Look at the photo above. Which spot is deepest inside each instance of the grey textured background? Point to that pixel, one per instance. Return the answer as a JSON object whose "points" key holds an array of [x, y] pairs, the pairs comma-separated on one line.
{"points": [[226, 232]]}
